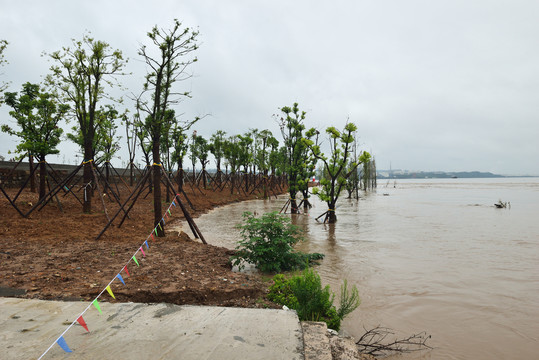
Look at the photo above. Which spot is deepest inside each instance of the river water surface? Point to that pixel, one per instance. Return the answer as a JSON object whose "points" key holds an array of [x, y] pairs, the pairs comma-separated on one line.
{"points": [[429, 255]]}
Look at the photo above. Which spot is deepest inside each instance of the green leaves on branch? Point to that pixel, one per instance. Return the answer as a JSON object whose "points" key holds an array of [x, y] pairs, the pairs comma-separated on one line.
{"points": [[37, 115]]}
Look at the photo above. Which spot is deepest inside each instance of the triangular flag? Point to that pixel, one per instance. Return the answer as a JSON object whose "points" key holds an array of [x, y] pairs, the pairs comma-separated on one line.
{"points": [[173, 203], [136, 262], [143, 253], [109, 290], [96, 304], [152, 236], [163, 220], [127, 272], [82, 323], [155, 230], [160, 226], [121, 278], [61, 341], [146, 243], [169, 211]]}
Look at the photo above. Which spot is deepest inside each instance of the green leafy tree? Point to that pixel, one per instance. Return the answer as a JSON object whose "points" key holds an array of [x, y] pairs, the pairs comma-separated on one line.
{"points": [[200, 152], [232, 155], [180, 146], [173, 50], [292, 127], [105, 143], [37, 115], [217, 148], [80, 76], [245, 155], [338, 166], [266, 142]]}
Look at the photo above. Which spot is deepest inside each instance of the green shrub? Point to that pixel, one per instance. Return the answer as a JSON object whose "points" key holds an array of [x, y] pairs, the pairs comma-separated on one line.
{"points": [[268, 244], [281, 292], [304, 293]]}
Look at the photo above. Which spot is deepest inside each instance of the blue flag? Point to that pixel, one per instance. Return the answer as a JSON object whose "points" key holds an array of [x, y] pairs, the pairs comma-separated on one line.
{"points": [[61, 341], [121, 278]]}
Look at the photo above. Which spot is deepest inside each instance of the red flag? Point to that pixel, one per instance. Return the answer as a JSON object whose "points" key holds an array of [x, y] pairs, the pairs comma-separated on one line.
{"points": [[82, 323], [127, 272]]}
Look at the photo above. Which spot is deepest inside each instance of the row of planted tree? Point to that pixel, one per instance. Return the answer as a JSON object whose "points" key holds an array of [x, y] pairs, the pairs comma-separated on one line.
{"points": [[78, 88]]}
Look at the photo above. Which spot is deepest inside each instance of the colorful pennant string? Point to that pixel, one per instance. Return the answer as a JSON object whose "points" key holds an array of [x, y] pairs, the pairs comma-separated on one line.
{"points": [[61, 341]]}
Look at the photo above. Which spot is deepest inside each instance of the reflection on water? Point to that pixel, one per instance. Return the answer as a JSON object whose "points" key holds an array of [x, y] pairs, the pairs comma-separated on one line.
{"points": [[434, 255]]}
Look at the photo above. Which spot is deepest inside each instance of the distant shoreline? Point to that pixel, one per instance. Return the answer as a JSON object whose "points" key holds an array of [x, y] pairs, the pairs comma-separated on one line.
{"points": [[399, 174]]}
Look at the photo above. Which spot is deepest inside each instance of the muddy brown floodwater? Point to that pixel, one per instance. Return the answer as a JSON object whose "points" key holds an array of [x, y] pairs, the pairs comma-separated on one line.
{"points": [[430, 255]]}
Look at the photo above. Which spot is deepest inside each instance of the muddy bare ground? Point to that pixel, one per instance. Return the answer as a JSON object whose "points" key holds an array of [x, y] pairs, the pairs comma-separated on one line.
{"points": [[54, 255]]}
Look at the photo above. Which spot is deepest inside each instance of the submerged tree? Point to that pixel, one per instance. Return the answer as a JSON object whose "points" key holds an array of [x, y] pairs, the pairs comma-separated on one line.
{"points": [[167, 61], [292, 130], [338, 166], [37, 116], [80, 76]]}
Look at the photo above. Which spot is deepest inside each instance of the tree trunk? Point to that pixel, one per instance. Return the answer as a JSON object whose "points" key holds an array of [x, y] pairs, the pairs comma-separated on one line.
{"points": [[293, 205], [331, 215], [180, 176], [42, 179], [156, 168], [131, 173], [204, 176], [32, 176], [88, 175]]}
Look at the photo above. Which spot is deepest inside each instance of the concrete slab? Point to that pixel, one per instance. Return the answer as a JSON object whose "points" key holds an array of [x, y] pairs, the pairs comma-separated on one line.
{"points": [[147, 331]]}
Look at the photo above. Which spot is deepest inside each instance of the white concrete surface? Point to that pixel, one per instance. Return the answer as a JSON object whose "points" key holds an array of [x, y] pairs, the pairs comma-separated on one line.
{"points": [[147, 331]]}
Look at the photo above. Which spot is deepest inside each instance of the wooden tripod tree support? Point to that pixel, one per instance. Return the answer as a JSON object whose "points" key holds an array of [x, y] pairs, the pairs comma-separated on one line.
{"points": [[190, 221], [48, 197], [55, 190], [138, 190], [285, 206], [11, 202]]}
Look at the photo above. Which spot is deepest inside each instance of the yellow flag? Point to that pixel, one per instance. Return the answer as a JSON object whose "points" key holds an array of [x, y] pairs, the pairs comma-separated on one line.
{"points": [[110, 292]]}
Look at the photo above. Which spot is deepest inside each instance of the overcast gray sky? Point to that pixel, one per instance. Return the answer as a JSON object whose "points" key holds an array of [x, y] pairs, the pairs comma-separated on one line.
{"points": [[432, 85]]}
